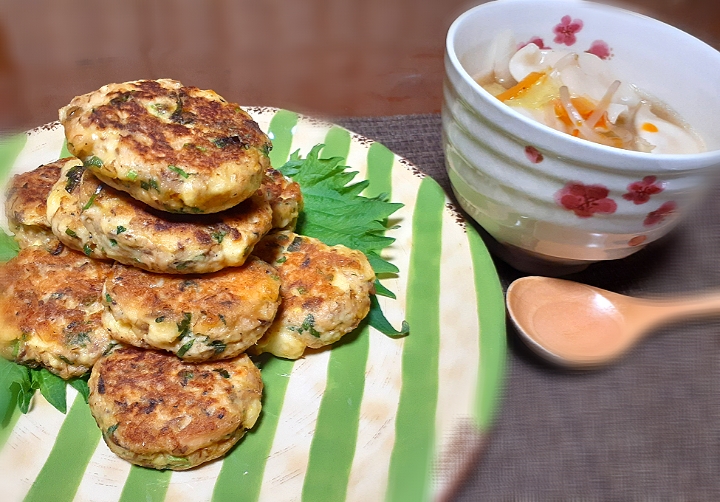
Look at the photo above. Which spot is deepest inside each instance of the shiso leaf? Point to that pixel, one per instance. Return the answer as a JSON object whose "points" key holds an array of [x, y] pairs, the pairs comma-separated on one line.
{"points": [[80, 384], [383, 291], [377, 320], [335, 213], [52, 387], [8, 247], [381, 266], [12, 377]]}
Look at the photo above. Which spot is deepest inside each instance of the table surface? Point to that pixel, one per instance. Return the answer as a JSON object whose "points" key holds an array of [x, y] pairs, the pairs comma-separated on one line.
{"points": [[646, 427]]}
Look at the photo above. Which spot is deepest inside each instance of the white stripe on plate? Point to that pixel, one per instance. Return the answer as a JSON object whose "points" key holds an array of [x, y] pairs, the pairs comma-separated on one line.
{"points": [[288, 461], [383, 375], [104, 477], [194, 485], [40, 148], [459, 348], [357, 159], [308, 133]]}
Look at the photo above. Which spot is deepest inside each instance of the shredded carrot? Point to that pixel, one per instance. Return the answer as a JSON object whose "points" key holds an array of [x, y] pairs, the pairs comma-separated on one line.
{"points": [[521, 87], [649, 127], [573, 112], [584, 106]]}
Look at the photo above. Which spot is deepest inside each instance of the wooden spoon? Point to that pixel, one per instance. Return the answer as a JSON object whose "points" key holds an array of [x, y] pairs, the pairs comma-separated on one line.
{"points": [[578, 325]]}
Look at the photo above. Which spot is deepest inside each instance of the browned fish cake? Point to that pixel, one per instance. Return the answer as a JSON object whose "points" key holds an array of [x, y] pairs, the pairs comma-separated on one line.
{"points": [[51, 309], [26, 204], [285, 199], [176, 148], [157, 411], [92, 217], [197, 317], [325, 292]]}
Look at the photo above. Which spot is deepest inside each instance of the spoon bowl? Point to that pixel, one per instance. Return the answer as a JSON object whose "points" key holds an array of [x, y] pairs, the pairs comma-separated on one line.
{"points": [[577, 325]]}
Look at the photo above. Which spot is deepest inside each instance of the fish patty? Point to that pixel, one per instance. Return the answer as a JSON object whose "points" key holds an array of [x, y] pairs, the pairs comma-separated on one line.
{"points": [[176, 148], [26, 204], [51, 309], [157, 411], [197, 317], [285, 199], [92, 217], [325, 292]]}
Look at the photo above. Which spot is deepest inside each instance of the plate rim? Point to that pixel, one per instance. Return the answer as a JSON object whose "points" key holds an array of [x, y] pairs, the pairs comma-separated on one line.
{"points": [[480, 258]]}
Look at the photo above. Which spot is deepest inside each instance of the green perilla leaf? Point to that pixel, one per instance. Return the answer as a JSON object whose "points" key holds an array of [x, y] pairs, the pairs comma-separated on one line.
{"points": [[52, 387], [8, 247], [80, 384], [11, 375]]}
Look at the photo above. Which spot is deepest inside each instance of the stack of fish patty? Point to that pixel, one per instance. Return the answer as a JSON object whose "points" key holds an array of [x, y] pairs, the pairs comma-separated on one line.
{"points": [[174, 184]]}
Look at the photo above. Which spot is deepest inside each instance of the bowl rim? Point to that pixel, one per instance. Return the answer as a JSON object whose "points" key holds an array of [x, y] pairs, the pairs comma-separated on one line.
{"points": [[508, 112]]}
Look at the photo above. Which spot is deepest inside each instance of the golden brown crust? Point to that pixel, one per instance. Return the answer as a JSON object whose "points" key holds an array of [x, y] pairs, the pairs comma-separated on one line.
{"points": [[50, 311], [157, 411], [197, 317], [89, 216], [325, 292], [26, 204], [285, 199], [176, 148]]}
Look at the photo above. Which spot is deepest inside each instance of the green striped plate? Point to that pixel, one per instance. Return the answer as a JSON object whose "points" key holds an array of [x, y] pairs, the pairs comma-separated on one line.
{"points": [[372, 419]]}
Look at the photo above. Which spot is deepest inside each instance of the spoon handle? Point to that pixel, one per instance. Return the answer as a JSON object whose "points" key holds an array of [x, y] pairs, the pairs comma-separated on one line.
{"points": [[662, 311]]}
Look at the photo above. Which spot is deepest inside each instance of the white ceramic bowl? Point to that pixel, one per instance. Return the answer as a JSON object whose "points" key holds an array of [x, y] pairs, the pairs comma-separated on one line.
{"points": [[515, 176]]}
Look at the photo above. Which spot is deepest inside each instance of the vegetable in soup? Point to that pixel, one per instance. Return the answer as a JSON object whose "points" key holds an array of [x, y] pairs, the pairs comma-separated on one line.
{"points": [[576, 93]]}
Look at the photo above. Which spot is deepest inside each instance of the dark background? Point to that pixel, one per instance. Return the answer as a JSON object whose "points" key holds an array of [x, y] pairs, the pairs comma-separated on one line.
{"points": [[324, 57]]}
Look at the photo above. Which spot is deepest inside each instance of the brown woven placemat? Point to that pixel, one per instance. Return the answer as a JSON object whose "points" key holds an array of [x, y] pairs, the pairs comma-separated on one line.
{"points": [[647, 427]]}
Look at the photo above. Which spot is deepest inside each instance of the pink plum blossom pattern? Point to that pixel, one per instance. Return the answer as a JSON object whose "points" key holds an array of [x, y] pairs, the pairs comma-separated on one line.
{"points": [[585, 200], [637, 240], [639, 192], [600, 48], [533, 154], [535, 40], [565, 31], [655, 217]]}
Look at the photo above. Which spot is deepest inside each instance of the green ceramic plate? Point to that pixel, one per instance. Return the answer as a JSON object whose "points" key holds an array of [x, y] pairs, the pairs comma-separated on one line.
{"points": [[372, 419]]}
